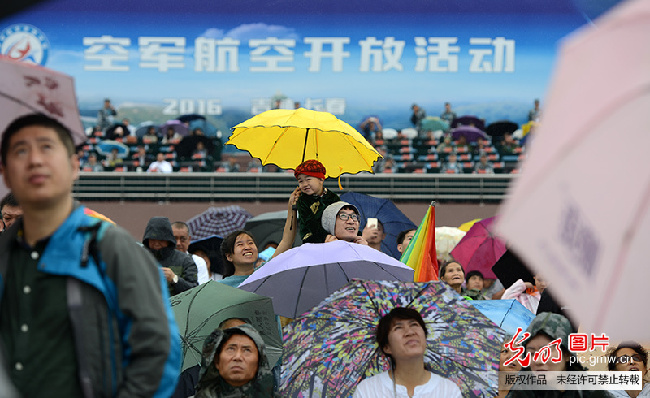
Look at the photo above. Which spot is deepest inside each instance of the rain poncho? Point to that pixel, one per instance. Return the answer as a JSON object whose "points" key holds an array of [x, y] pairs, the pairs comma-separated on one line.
{"points": [[212, 385]]}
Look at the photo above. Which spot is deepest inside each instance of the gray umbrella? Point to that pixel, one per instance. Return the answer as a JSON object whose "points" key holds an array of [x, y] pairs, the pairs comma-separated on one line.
{"points": [[268, 227]]}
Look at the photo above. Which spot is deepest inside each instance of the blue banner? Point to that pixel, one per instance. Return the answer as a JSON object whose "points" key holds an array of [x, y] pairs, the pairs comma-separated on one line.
{"points": [[230, 60]]}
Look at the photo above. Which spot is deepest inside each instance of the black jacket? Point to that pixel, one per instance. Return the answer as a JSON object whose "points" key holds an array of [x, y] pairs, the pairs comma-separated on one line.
{"points": [[181, 263]]}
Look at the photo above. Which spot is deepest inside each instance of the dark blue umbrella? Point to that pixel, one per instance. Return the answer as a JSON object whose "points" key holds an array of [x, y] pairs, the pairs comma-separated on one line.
{"points": [[141, 131], [212, 248], [500, 128], [190, 118], [193, 121], [391, 217], [507, 314]]}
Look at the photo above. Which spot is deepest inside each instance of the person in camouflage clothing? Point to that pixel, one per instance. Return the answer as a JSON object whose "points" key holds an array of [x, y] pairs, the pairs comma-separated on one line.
{"points": [[231, 369]]}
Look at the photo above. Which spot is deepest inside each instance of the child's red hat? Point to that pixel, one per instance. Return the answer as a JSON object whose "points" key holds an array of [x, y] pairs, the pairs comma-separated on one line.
{"points": [[311, 167]]}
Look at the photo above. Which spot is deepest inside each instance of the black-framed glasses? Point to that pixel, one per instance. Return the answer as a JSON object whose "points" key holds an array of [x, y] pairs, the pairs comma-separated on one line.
{"points": [[629, 359], [345, 217]]}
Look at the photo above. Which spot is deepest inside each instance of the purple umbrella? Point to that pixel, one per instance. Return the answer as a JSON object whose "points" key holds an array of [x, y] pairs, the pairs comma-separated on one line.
{"points": [[472, 134], [177, 125], [468, 120], [300, 278]]}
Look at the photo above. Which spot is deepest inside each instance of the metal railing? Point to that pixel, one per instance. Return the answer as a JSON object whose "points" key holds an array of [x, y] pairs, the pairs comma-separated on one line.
{"points": [[182, 186]]}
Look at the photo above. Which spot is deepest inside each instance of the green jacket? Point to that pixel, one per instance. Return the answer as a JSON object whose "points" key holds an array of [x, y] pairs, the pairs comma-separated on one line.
{"points": [[310, 212]]}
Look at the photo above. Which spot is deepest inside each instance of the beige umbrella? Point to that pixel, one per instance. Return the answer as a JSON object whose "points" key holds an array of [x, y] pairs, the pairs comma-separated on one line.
{"points": [[446, 240]]}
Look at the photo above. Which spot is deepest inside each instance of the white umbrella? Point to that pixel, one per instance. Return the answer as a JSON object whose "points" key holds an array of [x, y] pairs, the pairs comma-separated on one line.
{"points": [[446, 239], [579, 211]]}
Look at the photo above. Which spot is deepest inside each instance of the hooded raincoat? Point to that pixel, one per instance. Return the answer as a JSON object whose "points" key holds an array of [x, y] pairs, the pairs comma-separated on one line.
{"points": [[160, 228], [212, 385]]}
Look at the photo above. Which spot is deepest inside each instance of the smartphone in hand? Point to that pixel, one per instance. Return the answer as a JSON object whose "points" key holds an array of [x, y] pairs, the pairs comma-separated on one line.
{"points": [[372, 223]]}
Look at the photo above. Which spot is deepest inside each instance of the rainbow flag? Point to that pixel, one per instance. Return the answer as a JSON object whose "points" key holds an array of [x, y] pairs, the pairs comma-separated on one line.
{"points": [[421, 251]]}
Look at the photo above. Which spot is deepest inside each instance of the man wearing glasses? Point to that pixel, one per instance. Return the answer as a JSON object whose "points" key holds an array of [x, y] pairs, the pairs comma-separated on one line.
{"points": [[182, 235], [341, 221]]}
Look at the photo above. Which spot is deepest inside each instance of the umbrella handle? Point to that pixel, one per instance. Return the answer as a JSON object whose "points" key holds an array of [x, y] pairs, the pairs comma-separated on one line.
{"points": [[304, 149]]}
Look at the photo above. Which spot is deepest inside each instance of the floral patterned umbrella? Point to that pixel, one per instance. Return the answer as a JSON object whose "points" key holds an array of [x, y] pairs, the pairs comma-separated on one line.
{"points": [[330, 349]]}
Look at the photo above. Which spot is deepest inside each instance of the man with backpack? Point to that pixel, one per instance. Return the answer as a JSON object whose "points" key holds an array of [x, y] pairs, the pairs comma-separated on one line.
{"points": [[84, 310]]}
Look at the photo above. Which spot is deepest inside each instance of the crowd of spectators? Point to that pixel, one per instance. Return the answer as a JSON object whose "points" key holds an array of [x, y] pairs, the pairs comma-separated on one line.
{"points": [[401, 154]]}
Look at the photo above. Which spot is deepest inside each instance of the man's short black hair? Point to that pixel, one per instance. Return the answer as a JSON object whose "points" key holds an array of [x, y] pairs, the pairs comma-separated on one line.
{"points": [[228, 247], [8, 200], [180, 225], [386, 322], [474, 273], [402, 235], [36, 119]]}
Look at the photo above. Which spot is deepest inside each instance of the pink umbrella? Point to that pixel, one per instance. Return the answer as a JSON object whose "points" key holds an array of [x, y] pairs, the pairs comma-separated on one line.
{"points": [[479, 249], [26, 88], [578, 212]]}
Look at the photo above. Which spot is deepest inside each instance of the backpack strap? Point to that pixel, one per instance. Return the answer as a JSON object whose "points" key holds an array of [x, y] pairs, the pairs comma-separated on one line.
{"points": [[90, 245], [75, 308], [75, 312]]}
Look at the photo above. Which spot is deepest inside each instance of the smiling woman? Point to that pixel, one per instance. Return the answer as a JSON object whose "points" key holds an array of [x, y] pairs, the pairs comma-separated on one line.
{"points": [[453, 274], [239, 251]]}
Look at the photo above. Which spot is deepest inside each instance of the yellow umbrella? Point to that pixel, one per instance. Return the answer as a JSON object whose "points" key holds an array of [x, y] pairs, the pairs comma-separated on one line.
{"points": [[288, 137], [467, 225], [528, 127]]}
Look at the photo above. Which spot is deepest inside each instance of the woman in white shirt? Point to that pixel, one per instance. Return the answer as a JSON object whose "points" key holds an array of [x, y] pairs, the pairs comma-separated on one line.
{"points": [[402, 336]]}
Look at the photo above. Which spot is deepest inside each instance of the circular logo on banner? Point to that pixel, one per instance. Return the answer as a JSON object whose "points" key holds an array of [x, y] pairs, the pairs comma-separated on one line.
{"points": [[24, 43]]}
